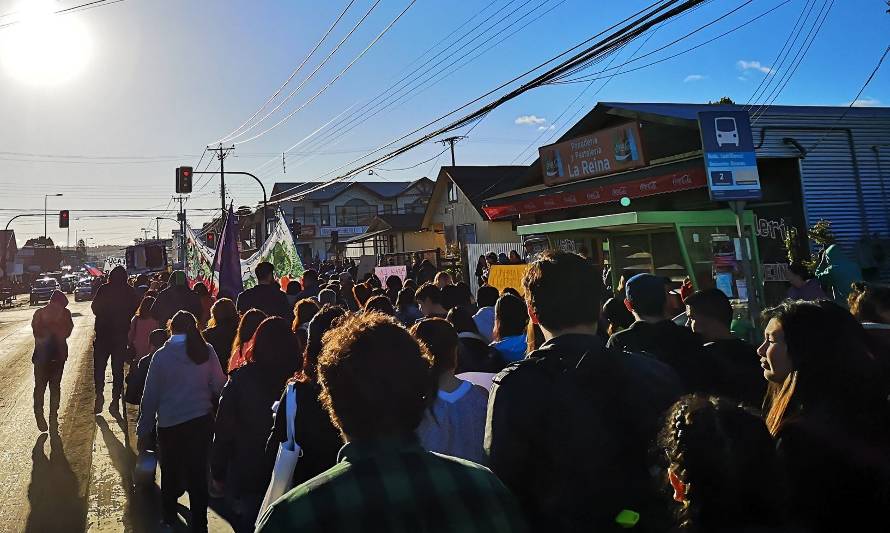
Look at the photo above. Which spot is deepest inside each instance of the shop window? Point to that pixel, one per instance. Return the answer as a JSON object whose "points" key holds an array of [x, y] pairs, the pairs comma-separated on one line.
{"points": [[355, 212]]}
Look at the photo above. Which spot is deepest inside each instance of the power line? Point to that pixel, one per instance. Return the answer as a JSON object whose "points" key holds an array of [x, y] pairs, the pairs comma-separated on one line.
{"points": [[802, 53], [310, 76], [625, 34], [391, 97], [73, 9], [334, 79], [853, 101], [292, 75]]}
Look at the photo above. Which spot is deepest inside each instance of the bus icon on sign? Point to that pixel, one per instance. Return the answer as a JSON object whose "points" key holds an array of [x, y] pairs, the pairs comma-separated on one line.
{"points": [[727, 131]]}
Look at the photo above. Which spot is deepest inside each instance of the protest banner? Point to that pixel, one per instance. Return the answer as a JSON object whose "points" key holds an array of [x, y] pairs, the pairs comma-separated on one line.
{"points": [[503, 276], [386, 271]]}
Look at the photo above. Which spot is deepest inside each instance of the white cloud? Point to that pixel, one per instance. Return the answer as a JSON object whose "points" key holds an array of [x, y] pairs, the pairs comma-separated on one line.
{"points": [[529, 120], [693, 77], [868, 101], [550, 127], [753, 65], [742, 78]]}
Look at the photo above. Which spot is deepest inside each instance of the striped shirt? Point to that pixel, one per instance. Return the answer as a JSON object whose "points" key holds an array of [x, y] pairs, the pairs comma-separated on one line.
{"points": [[394, 485]]}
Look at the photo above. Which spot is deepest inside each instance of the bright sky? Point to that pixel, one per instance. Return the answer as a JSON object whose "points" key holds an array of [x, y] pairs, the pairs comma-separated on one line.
{"points": [[110, 100]]}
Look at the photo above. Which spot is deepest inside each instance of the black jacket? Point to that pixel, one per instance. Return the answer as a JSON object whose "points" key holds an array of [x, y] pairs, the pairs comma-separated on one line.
{"points": [[114, 306], [313, 431], [174, 299], [676, 346], [268, 299], [474, 355], [242, 427], [221, 337], [569, 429]]}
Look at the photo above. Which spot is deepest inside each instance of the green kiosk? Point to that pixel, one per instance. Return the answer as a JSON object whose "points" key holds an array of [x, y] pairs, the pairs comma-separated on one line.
{"points": [[703, 246]]}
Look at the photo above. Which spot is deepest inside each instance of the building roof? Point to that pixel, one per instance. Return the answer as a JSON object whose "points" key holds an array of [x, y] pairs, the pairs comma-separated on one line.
{"points": [[383, 189], [402, 222], [476, 182]]}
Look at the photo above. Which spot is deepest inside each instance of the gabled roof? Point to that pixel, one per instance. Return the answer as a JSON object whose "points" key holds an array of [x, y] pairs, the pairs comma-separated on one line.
{"points": [[402, 221], [476, 182], [383, 189]]}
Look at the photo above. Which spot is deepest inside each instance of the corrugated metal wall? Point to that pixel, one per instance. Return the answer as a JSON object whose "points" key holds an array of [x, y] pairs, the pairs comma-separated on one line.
{"points": [[828, 176]]}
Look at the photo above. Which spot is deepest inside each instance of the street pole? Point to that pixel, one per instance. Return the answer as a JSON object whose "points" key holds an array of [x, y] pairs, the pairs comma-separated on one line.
{"points": [[221, 154], [265, 199], [157, 228], [451, 141]]}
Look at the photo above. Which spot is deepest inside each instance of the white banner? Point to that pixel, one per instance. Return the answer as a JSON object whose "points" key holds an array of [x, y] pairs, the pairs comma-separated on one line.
{"points": [[279, 249], [111, 262], [386, 271]]}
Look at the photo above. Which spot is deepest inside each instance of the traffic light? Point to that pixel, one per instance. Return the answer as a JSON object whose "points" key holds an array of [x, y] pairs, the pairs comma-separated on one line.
{"points": [[211, 239], [184, 180], [63, 218]]}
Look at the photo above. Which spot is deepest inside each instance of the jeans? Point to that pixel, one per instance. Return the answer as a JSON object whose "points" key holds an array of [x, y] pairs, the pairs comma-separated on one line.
{"points": [[185, 449], [116, 348], [48, 374]]}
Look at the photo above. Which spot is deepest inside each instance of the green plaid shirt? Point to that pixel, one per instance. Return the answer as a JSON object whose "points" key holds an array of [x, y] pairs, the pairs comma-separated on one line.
{"points": [[395, 485]]}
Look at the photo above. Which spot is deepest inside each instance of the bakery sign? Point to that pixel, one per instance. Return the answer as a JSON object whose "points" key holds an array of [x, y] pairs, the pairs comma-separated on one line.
{"points": [[604, 152]]}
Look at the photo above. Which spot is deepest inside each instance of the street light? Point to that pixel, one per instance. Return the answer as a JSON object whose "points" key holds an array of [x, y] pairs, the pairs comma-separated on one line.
{"points": [[45, 196]]}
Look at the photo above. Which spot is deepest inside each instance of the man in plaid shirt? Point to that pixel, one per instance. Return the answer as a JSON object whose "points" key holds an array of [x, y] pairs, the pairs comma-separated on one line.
{"points": [[375, 379]]}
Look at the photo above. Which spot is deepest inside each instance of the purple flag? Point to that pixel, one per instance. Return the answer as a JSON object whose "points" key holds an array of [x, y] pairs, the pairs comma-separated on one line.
{"points": [[229, 260]]}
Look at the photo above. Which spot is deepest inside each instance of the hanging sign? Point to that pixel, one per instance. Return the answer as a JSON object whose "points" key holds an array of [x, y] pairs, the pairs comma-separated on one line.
{"points": [[729, 155], [604, 152]]}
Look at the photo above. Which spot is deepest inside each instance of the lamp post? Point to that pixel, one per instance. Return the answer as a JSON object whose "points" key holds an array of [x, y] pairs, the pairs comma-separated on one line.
{"points": [[45, 196]]}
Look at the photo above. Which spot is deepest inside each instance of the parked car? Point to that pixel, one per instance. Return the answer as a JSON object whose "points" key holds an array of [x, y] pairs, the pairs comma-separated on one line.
{"points": [[69, 281], [83, 291], [42, 290]]}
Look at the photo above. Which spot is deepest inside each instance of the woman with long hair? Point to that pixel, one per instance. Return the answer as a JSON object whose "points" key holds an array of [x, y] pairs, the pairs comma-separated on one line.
{"points": [[304, 310], [141, 326], [827, 409], [245, 415], [246, 328], [317, 436], [870, 304], [454, 423], [722, 468], [206, 300], [181, 391], [222, 328], [510, 321]]}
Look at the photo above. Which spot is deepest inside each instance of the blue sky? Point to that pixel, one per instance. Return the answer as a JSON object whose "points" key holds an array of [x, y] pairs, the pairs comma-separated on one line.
{"points": [[166, 77]]}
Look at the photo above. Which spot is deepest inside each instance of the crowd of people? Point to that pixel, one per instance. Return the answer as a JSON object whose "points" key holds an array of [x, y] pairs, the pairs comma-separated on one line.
{"points": [[554, 406]]}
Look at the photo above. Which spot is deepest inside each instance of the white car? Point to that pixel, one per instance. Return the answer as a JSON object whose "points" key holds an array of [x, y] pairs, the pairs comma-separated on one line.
{"points": [[727, 131]]}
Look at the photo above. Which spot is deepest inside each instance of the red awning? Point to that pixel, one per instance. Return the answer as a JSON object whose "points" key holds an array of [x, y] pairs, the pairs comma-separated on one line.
{"points": [[682, 180]]}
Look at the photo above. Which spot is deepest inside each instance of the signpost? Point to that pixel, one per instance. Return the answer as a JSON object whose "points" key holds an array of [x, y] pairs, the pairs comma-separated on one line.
{"points": [[731, 167]]}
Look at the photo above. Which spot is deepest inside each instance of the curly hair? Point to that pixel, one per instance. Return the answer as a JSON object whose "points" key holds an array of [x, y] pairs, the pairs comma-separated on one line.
{"points": [[726, 459], [374, 376]]}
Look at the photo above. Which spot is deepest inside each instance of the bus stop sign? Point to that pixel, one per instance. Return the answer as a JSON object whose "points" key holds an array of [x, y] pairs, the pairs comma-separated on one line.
{"points": [[728, 149]]}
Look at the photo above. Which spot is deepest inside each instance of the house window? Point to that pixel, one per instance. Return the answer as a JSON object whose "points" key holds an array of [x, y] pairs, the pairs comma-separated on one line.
{"points": [[452, 193], [355, 212], [299, 214], [387, 209], [466, 233], [417, 206], [324, 215]]}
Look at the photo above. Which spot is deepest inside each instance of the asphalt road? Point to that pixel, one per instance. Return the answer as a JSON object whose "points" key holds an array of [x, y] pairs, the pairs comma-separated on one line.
{"points": [[79, 477]]}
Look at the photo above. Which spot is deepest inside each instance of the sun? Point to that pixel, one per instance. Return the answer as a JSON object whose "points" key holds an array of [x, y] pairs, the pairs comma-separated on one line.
{"points": [[42, 48]]}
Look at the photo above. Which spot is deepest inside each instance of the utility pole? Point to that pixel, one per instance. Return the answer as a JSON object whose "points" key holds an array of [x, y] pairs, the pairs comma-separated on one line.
{"points": [[181, 218], [221, 154], [158, 228], [451, 141]]}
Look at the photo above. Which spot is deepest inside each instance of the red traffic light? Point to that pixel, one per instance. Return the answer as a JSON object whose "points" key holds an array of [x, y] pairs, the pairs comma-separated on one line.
{"points": [[184, 180], [63, 218]]}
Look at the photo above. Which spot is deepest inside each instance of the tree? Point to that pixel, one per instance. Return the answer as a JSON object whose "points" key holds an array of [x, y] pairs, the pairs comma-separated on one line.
{"points": [[43, 242], [725, 100]]}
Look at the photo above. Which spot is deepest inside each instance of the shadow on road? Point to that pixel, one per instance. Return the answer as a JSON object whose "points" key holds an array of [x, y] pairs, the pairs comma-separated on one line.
{"points": [[53, 492]]}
